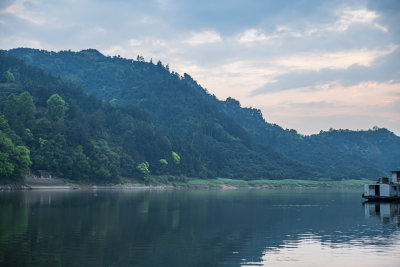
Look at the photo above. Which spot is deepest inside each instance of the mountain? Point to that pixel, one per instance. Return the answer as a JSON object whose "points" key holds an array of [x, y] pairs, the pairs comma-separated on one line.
{"points": [[76, 135], [72, 134], [347, 153], [219, 129]]}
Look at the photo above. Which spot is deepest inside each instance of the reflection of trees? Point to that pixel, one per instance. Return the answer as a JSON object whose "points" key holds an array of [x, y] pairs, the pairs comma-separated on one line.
{"points": [[13, 222], [171, 228], [111, 228]]}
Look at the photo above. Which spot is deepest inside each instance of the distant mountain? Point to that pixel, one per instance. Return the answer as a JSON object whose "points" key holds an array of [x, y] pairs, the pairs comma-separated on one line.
{"points": [[219, 129], [344, 152], [378, 145], [78, 136]]}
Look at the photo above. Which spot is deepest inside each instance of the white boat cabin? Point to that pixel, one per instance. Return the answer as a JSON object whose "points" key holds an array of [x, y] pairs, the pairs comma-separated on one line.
{"points": [[385, 188]]}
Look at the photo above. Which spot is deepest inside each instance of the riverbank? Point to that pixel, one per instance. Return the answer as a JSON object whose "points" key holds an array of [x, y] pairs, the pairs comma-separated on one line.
{"points": [[189, 183], [227, 183]]}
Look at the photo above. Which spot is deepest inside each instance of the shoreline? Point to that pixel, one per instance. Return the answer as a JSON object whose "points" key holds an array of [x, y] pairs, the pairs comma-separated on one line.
{"points": [[218, 183]]}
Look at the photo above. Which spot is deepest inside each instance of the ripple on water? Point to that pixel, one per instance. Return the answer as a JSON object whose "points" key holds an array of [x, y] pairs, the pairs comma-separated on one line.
{"points": [[310, 251]]}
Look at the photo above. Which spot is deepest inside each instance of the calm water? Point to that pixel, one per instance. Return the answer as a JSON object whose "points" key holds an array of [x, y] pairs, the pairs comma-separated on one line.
{"points": [[197, 228]]}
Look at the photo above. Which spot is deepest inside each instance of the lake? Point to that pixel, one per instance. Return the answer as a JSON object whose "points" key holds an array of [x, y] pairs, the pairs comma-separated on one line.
{"points": [[295, 227]]}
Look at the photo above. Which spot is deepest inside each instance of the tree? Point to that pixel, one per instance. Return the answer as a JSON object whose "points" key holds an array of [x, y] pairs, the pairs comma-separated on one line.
{"points": [[163, 162], [143, 169], [6, 166], [22, 161], [26, 107], [105, 163], [14, 161], [81, 167], [56, 107], [11, 108], [8, 76], [4, 126], [20, 111], [176, 157]]}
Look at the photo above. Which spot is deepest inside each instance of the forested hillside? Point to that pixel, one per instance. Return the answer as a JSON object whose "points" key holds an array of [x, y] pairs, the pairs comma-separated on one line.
{"points": [[378, 145], [216, 129], [345, 152], [51, 124], [76, 135]]}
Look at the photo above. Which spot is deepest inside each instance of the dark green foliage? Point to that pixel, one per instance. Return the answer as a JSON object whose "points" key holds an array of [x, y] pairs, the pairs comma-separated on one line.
{"points": [[56, 107], [8, 77], [378, 145], [14, 160], [70, 133], [20, 112], [341, 154], [206, 142], [147, 112], [143, 169]]}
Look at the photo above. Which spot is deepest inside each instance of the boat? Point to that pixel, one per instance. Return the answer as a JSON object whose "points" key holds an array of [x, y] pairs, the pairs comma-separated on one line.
{"points": [[385, 189]]}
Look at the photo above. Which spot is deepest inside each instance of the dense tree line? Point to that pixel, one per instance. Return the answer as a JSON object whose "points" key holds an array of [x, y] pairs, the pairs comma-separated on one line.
{"points": [[343, 154], [213, 137], [47, 124], [79, 136]]}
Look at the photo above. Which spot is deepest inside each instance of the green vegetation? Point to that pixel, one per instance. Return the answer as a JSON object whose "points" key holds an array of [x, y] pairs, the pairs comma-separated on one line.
{"points": [[56, 107], [237, 183], [47, 124], [14, 160], [345, 153], [143, 169], [80, 137], [176, 157], [144, 121]]}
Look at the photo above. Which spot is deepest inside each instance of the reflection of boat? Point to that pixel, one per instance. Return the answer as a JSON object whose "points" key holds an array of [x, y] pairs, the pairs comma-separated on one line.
{"points": [[386, 211], [385, 189]]}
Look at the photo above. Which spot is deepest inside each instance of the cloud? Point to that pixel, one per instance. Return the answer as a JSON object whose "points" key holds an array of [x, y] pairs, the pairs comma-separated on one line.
{"points": [[257, 35], [359, 97], [5, 3], [22, 9], [334, 60], [24, 42], [115, 50], [363, 105], [148, 20], [250, 51], [315, 104], [344, 19], [204, 37], [348, 17], [382, 69], [252, 35], [313, 124]]}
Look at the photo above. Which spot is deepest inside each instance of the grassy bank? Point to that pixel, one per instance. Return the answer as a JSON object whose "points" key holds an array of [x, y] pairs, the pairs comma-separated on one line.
{"points": [[184, 182], [225, 182]]}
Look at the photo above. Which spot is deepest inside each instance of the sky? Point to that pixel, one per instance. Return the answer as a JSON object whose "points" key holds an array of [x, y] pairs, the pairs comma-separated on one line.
{"points": [[308, 65]]}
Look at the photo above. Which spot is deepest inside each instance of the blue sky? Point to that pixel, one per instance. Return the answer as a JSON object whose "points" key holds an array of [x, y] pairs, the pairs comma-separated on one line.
{"points": [[308, 65]]}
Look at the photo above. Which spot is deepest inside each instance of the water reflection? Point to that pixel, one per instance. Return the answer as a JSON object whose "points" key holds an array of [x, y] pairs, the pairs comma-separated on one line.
{"points": [[387, 212], [371, 243], [194, 228], [312, 251]]}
